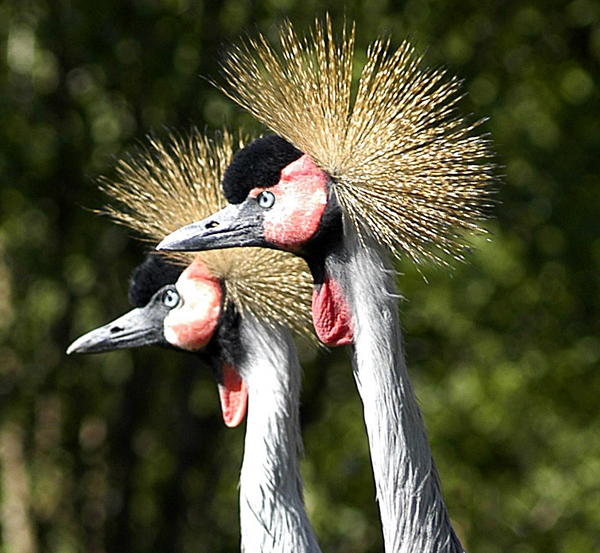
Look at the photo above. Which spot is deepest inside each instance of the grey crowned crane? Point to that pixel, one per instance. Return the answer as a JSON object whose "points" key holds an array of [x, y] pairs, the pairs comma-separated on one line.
{"points": [[347, 185], [230, 310]]}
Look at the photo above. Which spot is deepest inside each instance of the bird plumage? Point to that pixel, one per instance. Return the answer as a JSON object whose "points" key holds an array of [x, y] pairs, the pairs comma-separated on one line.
{"points": [[272, 514], [405, 166], [410, 175], [413, 513]]}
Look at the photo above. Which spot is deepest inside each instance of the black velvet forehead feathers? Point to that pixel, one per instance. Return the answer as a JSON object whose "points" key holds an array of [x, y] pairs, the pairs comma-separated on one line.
{"points": [[258, 164], [150, 276]]}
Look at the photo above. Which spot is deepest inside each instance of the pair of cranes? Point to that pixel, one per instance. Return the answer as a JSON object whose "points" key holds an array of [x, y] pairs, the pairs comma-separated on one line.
{"points": [[341, 184]]}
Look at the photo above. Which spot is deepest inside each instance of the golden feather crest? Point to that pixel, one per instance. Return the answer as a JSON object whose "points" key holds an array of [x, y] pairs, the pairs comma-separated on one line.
{"points": [[405, 166], [166, 185]]}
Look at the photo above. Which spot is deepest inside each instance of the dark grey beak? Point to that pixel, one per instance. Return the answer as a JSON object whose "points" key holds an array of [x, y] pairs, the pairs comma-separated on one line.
{"points": [[233, 226], [138, 327]]}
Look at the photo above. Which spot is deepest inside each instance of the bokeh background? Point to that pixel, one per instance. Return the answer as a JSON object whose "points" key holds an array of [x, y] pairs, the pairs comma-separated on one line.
{"points": [[127, 451]]}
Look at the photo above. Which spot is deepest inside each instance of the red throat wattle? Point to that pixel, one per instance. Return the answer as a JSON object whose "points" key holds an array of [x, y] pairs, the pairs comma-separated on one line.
{"points": [[233, 394], [331, 314]]}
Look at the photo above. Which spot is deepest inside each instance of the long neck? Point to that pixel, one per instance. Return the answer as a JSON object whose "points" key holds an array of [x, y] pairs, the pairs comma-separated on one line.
{"points": [[413, 514], [272, 513]]}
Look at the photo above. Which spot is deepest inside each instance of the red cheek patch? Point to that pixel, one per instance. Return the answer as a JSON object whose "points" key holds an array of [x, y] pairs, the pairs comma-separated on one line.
{"points": [[233, 394], [197, 270], [194, 335], [331, 315], [300, 200]]}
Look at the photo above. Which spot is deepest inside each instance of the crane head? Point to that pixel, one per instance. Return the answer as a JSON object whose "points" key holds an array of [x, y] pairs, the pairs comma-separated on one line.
{"points": [[181, 313], [279, 198]]}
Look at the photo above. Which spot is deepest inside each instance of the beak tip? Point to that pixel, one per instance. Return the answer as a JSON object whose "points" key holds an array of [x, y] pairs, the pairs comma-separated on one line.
{"points": [[169, 243], [161, 245], [74, 347]]}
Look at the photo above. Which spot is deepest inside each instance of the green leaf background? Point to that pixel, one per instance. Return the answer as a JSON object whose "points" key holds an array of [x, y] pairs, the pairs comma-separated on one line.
{"points": [[127, 451]]}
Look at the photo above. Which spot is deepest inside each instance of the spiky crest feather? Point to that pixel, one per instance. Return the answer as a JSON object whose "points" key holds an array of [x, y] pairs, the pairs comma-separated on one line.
{"points": [[405, 167], [165, 185]]}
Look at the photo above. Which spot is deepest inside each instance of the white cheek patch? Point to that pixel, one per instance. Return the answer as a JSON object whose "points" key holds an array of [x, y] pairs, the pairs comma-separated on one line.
{"points": [[192, 325], [296, 200], [301, 201]]}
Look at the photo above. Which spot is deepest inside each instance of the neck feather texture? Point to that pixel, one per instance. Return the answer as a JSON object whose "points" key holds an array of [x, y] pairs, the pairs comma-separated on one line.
{"points": [[272, 513], [413, 514]]}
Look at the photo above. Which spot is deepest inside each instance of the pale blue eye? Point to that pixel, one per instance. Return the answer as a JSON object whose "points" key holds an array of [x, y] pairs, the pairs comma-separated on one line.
{"points": [[266, 199], [170, 298]]}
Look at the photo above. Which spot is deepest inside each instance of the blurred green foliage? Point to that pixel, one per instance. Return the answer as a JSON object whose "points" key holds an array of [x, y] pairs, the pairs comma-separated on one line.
{"points": [[127, 452]]}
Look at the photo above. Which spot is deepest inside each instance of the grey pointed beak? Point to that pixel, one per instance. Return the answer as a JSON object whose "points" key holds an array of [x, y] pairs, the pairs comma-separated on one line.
{"points": [[234, 226], [136, 328]]}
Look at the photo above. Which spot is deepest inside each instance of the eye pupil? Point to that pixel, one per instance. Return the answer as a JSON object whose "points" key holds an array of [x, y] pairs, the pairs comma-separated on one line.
{"points": [[266, 199], [170, 298]]}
